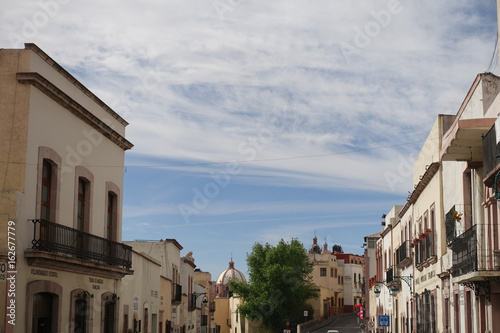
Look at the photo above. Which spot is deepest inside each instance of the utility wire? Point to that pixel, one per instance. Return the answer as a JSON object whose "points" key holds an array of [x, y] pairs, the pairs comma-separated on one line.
{"points": [[494, 56], [240, 161]]}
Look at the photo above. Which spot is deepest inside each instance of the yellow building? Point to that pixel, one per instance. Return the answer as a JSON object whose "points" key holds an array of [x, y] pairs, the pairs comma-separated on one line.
{"points": [[226, 316], [60, 222], [328, 276]]}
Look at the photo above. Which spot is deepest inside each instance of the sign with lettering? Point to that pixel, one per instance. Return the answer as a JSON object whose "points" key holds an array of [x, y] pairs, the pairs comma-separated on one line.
{"points": [[43, 272]]}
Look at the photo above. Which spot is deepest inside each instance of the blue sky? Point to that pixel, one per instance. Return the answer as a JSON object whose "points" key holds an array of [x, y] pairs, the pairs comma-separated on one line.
{"points": [[254, 120]]}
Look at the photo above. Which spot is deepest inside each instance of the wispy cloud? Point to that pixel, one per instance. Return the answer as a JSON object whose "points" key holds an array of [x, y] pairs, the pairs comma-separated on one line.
{"points": [[266, 81]]}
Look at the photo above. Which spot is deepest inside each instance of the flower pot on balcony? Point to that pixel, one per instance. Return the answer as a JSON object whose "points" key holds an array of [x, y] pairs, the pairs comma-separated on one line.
{"points": [[422, 236], [427, 231]]}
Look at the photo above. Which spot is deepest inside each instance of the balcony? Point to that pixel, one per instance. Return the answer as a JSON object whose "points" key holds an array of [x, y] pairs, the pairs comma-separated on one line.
{"points": [[403, 256], [425, 251], [191, 302], [176, 294], [463, 141], [389, 274], [65, 248], [491, 149], [471, 261], [211, 306], [465, 253]]}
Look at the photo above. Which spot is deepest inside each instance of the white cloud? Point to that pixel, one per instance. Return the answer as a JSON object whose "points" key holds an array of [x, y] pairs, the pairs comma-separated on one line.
{"points": [[196, 85]]}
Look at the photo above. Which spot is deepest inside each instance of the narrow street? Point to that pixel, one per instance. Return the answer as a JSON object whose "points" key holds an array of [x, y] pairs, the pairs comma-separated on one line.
{"points": [[348, 323]]}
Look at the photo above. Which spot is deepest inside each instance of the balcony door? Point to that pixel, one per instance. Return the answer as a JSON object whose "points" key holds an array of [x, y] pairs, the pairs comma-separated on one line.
{"points": [[43, 313], [82, 213], [82, 204], [46, 190], [109, 317]]}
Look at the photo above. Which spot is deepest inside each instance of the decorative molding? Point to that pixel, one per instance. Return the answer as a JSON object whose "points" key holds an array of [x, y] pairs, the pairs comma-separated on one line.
{"points": [[56, 94], [33, 47]]}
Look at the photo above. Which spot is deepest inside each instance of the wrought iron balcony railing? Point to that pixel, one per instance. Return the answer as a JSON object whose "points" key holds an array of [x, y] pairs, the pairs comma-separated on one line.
{"points": [[211, 306], [176, 293], [53, 237], [389, 274], [464, 248], [403, 253]]}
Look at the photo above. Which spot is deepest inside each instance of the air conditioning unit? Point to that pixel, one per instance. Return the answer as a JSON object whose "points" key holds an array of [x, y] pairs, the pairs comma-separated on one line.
{"points": [[496, 256]]}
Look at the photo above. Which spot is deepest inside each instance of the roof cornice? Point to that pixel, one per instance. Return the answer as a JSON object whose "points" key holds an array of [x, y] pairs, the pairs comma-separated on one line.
{"points": [[38, 51], [424, 181], [56, 94]]}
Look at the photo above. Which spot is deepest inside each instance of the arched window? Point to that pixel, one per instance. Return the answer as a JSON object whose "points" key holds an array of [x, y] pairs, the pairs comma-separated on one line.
{"points": [[109, 316], [43, 308], [109, 309], [81, 308]]}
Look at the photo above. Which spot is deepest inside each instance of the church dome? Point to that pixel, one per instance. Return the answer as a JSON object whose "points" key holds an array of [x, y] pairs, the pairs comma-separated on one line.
{"points": [[315, 248], [230, 274]]}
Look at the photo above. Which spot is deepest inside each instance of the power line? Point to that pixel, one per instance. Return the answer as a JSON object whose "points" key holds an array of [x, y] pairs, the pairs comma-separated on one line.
{"points": [[239, 161], [494, 56]]}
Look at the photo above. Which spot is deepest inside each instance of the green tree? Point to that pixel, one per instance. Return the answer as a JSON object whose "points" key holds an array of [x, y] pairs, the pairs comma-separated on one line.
{"points": [[279, 285]]}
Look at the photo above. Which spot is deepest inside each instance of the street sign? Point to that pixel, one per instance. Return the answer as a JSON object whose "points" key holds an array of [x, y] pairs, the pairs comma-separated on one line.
{"points": [[371, 325], [383, 321], [306, 313]]}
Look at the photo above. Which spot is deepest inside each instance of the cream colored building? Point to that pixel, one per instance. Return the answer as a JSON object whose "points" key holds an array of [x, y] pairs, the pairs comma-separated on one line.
{"points": [[451, 225], [328, 276], [61, 188], [471, 288], [354, 278], [370, 275], [206, 303], [140, 295], [188, 316], [171, 307], [426, 231], [384, 254], [404, 269]]}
